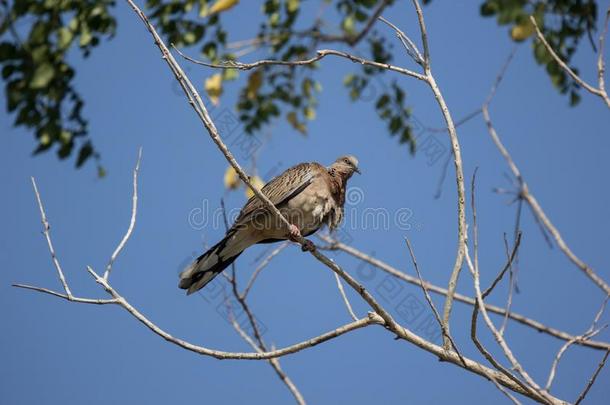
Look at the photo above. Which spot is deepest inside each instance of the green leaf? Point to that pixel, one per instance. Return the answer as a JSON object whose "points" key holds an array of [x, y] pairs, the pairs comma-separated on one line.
{"points": [[292, 6], [84, 153], [64, 37], [85, 37], [309, 113], [42, 76]]}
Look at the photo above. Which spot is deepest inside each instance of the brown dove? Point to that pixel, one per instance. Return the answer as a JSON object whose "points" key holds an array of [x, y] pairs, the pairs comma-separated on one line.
{"points": [[309, 196]]}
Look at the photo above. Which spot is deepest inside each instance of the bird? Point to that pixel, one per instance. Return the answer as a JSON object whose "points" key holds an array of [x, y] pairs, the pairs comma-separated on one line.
{"points": [[309, 195]]}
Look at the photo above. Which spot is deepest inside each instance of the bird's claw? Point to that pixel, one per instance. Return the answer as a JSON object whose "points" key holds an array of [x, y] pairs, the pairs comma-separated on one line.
{"points": [[293, 232]]}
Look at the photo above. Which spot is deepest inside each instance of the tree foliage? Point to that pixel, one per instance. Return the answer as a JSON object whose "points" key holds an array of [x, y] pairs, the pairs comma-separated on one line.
{"points": [[36, 37]]}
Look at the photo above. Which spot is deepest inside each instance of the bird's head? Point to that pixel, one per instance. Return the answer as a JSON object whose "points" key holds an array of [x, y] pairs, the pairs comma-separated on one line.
{"points": [[346, 166]]}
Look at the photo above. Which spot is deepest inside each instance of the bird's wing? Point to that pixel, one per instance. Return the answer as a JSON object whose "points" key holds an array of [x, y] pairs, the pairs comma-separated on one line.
{"points": [[282, 188]]}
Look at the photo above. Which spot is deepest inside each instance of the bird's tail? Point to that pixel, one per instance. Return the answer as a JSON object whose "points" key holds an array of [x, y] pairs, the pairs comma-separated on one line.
{"points": [[212, 263]]}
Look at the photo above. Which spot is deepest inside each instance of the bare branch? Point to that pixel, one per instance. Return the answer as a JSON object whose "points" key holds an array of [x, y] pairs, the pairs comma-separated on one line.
{"points": [[536, 325], [509, 262], [601, 66], [65, 296], [601, 365], [601, 91], [560, 353], [424, 35], [46, 231], [320, 54], [431, 303], [132, 221], [528, 197], [537, 209], [459, 175], [260, 347], [369, 320], [275, 364], [261, 266], [348, 39], [345, 300], [511, 280], [475, 310], [499, 338], [410, 47], [500, 77], [585, 336]]}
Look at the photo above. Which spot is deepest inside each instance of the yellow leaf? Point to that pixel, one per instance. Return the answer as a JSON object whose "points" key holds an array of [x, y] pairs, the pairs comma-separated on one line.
{"points": [[213, 86], [292, 5], [292, 118], [254, 83], [229, 74], [309, 113], [522, 31], [220, 6], [257, 182], [348, 25], [231, 179]]}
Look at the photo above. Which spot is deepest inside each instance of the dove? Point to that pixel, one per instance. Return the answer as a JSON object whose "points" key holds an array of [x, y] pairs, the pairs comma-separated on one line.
{"points": [[309, 196]]}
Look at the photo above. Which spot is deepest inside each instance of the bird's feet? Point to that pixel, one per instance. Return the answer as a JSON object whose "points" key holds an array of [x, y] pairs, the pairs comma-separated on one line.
{"points": [[293, 232]]}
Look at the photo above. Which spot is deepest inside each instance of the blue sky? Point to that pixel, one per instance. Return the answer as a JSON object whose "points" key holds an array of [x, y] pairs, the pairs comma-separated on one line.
{"points": [[53, 351]]}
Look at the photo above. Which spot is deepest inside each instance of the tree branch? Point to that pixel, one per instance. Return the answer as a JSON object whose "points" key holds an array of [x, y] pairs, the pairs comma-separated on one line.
{"points": [[538, 326], [537, 209], [601, 365], [320, 54], [344, 296], [132, 221], [601, 91], [46, 231]]}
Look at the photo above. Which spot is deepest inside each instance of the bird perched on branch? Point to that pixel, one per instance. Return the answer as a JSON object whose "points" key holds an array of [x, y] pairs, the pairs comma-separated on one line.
{"points": [[308, 195]]}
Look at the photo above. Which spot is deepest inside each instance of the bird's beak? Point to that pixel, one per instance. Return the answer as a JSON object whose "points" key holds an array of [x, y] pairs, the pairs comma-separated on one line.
{"points": [[357, 170]]}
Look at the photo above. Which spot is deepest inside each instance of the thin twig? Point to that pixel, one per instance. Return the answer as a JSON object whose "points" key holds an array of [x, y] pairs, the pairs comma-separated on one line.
{"points": [[261, 266], [66, 296], [259, 345], [534, 324], [560, 353], [500, 339], [275, 364], [424, 35], [46, 230], [351, 40], [584, 393], [410, 47], [601, 92], [345, 300], [320, 54], [132, 221], [601, 65], [538, 211], [475, 310], [511, 285], [589, 333], [430, 302]]}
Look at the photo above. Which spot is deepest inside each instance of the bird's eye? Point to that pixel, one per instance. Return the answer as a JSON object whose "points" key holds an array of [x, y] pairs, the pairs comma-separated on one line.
{"points": [[346, 160]]}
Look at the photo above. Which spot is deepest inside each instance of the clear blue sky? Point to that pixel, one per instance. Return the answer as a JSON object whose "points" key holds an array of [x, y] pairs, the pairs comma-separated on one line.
{"points": [[57, 352]]}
